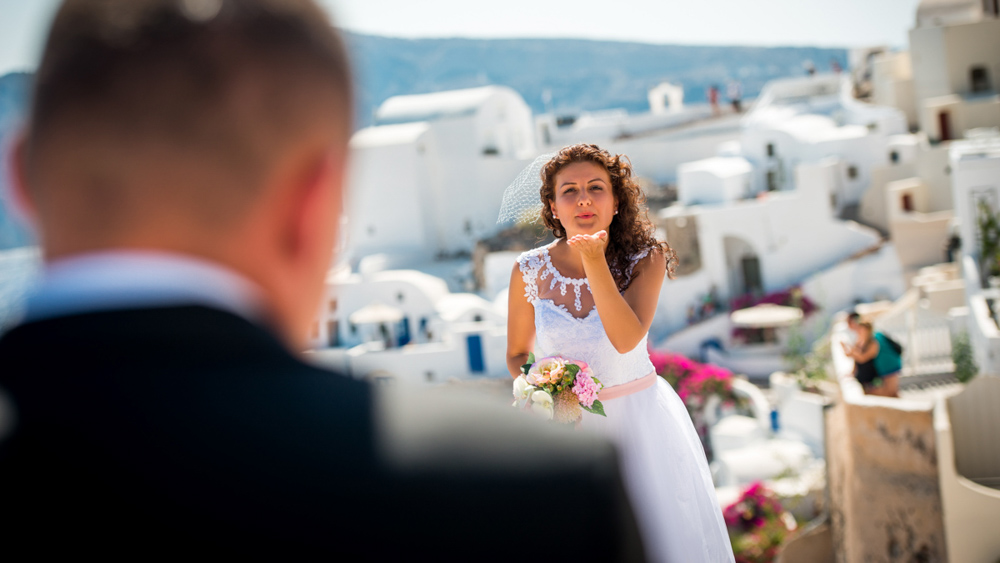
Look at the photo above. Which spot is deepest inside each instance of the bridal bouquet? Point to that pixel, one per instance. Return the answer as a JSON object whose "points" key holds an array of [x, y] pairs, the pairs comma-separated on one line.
{"points": [[557, 388]]}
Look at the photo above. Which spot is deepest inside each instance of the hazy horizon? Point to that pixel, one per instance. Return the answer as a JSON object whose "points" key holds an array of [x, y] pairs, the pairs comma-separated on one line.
{"points": [[727, 23]]}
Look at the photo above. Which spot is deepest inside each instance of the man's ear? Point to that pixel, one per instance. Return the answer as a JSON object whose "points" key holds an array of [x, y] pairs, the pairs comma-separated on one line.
{"points": [[21, 203], [315, 206]]}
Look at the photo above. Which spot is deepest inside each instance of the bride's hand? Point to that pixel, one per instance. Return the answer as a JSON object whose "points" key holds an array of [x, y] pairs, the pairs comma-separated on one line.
{"points": [[590, 246]]}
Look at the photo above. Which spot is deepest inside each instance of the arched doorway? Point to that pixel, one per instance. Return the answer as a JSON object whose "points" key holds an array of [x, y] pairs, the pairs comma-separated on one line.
{"points": [[742, 267]]}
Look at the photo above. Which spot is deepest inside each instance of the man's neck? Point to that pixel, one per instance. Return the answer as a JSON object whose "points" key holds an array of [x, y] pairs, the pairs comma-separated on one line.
{"points": [[129, 279]]}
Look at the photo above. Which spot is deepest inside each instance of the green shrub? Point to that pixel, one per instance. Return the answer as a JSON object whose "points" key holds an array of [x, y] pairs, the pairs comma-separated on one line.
{"points": [[961, 354]]}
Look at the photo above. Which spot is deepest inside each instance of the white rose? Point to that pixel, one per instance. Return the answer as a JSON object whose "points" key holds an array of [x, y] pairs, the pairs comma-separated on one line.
{"points": [[541, 403], [522, 391]]}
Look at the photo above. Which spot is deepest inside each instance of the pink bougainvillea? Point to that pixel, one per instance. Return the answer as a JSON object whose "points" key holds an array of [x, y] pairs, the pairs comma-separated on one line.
{"points": [[757, 525], [755, 507], [694, 382]]}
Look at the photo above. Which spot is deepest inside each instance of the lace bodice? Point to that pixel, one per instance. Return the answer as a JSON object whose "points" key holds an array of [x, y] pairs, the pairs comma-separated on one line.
{"points": [[567, 322]]}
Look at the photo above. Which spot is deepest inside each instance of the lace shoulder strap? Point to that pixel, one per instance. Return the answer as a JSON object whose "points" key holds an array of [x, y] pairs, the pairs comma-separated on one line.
{"points": [[530, 263], [631, 264]]}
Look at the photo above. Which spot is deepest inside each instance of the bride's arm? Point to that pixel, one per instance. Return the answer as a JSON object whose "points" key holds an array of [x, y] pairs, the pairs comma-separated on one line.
{"points": [[626, 318], [520, 324]]}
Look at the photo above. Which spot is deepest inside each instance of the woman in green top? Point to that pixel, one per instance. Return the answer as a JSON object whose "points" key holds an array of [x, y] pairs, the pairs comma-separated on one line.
{"points": [[887, 360], [888, 364]]}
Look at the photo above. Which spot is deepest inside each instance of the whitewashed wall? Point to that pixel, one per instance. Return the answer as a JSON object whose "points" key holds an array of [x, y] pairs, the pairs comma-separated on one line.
{"points": [[428, 363], [414, 293], [713, 180], [387, 188], [498, 267], [590, 127], [423, 189], [942, 58], [813, 139], [871, 277], [973, 178], [655, 155], [792, 233], [892, 84], [976, 174]]}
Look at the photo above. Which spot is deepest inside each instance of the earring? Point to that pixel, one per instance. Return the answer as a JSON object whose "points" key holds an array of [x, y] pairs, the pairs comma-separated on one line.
{"points": [[616, 212]]}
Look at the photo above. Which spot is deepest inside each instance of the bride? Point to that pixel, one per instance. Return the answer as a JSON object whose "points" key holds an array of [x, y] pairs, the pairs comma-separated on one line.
{"points": [[591, 295]]}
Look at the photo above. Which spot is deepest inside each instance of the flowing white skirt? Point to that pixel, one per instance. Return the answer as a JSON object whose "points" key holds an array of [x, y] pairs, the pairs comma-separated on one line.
{"points": [[666, 475]]}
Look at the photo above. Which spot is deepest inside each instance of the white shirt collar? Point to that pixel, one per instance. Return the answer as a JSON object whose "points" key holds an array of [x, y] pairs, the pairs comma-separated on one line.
{"points": [[134, 279]]}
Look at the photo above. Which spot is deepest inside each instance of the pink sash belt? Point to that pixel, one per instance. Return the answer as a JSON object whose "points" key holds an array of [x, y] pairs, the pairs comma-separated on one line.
{"points": [[633, 386]]}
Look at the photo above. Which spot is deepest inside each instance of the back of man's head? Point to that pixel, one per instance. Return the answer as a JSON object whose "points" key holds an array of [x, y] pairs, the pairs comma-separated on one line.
{"points": [[210, 128], [143, 106]]}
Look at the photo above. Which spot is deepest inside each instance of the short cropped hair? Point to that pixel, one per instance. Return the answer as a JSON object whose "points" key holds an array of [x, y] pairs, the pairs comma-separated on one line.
{"points": [[230, 79]]}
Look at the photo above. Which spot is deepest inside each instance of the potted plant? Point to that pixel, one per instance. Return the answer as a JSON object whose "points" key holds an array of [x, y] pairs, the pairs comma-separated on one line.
{"points": [[989, 242]]}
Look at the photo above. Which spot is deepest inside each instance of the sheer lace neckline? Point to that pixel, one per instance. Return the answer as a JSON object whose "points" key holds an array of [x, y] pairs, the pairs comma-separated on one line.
{"points": [[592, 313], [557, 274], [537, 267], [563, 281]]}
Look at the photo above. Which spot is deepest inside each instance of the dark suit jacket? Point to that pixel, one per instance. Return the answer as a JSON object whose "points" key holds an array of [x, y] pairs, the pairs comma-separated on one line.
{"points": [[189, 431]]}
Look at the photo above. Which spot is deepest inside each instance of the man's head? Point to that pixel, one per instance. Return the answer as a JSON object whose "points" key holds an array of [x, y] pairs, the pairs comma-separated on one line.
{"points": [[853, 319], [216, 128]]}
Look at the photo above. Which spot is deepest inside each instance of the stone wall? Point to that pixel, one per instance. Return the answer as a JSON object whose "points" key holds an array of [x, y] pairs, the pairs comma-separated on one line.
{"points": [[883, 478]]}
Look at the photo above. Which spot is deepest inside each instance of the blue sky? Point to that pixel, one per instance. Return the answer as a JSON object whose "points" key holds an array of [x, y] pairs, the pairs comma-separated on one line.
{"points": [[826, 23]]}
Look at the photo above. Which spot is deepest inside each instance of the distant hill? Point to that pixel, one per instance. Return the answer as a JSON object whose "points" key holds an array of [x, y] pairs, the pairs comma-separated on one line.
{"points": [[580, 74], [14, 91]]}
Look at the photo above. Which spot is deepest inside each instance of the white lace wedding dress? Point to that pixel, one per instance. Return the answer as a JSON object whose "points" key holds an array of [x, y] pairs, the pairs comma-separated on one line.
{"points": [[663, 462]]}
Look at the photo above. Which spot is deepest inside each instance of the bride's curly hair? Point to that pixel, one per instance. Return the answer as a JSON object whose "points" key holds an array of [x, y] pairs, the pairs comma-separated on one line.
{"points": [[631, 231]]}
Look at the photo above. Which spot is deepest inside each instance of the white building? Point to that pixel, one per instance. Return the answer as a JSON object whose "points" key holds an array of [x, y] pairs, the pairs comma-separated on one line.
{"points": [[976, 168], [666, 98], [657, 142], [803, 120], [756, 245], [955, 52], [766, 218], [947, 82], [714, 180], [892, 84], [406, 325], [946, 85], [666, 111], [428, 178], [918, 230]]}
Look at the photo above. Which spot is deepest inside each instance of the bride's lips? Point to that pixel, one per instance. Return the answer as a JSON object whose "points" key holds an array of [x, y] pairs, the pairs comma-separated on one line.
{"points": [[585, 216]]}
